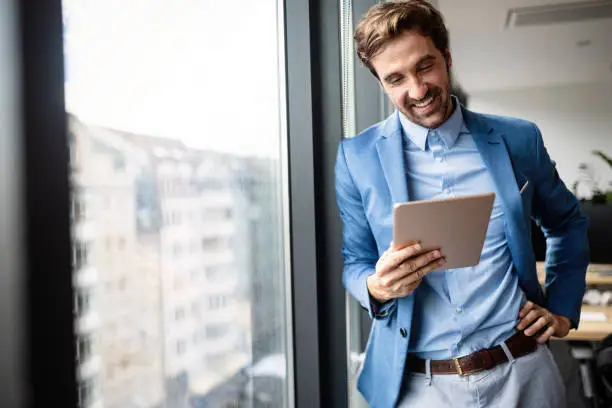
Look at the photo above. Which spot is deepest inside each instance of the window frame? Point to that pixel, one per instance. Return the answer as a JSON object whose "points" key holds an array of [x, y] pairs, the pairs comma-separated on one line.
{"points": [[310, 53]]}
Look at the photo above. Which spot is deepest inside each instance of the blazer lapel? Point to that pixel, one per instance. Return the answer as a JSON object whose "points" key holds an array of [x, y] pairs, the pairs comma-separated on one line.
{"points": [[391, 155], [496, 157]]}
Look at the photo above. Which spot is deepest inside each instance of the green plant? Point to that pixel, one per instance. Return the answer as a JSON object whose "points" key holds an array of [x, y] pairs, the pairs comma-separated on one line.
{"points": [[598, 195], [601, 196]]}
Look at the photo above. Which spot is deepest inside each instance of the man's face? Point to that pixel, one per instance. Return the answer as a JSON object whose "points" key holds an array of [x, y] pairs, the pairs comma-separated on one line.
{"points": [[414, 73]]}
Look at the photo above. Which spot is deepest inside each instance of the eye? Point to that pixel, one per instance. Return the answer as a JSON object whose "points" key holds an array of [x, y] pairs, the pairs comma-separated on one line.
{"points": [[396, 80], [425, 68]]}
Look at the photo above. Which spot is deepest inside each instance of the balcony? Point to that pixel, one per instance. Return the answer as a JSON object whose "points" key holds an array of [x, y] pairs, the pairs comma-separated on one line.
{"points": [[96, 403], [86, 277], [90, 367], [223, 257], [84, 230], [88, 322]]}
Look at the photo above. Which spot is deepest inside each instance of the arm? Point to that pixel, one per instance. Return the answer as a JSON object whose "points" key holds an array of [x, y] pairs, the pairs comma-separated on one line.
{"points": [[557, 212], [358, 245]]}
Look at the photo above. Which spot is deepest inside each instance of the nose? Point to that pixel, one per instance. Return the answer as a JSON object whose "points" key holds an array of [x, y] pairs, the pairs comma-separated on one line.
{"points": [[417, 90]]}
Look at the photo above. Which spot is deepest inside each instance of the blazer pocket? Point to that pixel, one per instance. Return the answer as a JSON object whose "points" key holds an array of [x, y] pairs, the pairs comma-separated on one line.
{"points": [[522, 183]]}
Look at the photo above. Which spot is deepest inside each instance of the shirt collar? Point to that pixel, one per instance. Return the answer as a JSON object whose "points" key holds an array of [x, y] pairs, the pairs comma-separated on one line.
{"points": [[449, 131]]}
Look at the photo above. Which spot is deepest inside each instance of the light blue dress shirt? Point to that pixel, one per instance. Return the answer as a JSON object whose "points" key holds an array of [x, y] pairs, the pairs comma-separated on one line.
{"points": [[459, 311]]}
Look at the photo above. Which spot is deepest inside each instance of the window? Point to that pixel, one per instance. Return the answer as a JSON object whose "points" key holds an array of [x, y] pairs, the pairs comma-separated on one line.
{"points": [[195, 309], [177, 250], [210, 244], [84, 347], [178, 122], [181, 347], [77, 206], [80, 254], [121, 244], [216, 331], [193, 247], [86, 393], [82, 301], [216, 302]]}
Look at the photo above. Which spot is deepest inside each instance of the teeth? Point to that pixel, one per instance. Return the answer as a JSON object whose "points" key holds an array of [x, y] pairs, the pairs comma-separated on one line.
{"points": [[424, 103]]}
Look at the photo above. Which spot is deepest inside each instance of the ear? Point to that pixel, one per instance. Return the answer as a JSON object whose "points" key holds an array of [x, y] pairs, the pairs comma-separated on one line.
{"points": [[448, 58]]}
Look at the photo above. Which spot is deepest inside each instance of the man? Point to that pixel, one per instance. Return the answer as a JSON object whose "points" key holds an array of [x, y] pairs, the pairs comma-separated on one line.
{"points": [[494, 316]]}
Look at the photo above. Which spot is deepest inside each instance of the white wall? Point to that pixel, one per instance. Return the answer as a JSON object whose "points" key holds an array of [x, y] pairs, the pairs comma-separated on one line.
{"points": [[574, 120]]}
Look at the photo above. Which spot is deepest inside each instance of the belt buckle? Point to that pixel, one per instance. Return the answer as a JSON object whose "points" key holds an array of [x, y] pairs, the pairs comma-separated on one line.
{"points": [[458, 367]]}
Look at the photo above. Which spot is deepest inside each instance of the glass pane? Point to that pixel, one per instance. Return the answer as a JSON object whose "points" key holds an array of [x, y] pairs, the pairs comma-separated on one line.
{"points": [[178, 204]]}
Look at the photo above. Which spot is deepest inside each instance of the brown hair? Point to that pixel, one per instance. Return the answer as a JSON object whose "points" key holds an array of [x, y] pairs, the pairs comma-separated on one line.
{"points": [[385, 21]]}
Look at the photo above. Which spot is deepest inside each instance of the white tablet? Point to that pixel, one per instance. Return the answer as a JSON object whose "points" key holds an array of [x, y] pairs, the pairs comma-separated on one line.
{"points": [[456, 225]]}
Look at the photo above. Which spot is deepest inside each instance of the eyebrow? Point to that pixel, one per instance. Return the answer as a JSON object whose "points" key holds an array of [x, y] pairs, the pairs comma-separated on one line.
{"points": [[425, 59]]}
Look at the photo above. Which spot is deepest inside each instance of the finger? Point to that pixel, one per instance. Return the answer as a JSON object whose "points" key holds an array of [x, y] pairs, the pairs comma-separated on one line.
{"points": [[528, 319], [405, 245], [396, 258], [526, 308], [420, 273], [546, 335], [411, 267], [539, 324]]}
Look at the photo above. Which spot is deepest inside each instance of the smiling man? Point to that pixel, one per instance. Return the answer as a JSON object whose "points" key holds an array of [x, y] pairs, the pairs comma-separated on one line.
{"points": [[470, 337]]}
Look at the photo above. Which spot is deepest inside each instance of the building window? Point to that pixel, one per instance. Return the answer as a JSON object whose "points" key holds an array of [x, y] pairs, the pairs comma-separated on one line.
{"points": [[181, 347], [195, 309], [216, 331], [77, 206], [121, 285], [121, 244], [216, 302], [210, 244], [193, 247], [82, 301], [86, 393], [80, 255], [84, 347]]}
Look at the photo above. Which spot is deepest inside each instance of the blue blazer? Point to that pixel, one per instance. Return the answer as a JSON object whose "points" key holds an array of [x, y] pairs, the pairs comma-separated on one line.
{"points": [[371, 178]]}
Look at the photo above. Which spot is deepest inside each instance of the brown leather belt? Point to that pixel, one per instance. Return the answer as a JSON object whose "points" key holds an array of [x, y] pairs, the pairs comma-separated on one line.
{"points": [[519, 345]]}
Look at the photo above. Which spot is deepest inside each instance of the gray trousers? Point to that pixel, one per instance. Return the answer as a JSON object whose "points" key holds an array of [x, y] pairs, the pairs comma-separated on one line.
{"points": [[531, 381]]}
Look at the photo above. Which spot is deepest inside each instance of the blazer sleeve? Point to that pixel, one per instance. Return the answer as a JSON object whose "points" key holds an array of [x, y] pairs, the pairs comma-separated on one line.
{"points": [[359, 248], [557, 212]]}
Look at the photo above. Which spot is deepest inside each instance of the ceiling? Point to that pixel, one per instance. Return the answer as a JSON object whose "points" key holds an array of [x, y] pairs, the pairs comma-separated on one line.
{"points": [[487, 56]]}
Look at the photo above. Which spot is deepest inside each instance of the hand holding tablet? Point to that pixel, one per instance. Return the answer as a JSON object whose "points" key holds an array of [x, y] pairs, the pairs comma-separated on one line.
{"points": [[457, 226], [429, 235], [399, 271]]}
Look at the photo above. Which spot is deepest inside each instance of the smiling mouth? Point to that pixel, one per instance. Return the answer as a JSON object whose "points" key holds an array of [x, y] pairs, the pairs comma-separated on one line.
{"points": [[426, 105]]}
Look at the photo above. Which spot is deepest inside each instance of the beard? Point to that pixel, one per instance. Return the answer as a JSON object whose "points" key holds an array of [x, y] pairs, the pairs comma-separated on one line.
{"points": [[430, 111]]}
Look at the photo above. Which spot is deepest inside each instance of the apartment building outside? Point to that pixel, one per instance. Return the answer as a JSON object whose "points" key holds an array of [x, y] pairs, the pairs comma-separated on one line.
{"points": [[127, 284]]}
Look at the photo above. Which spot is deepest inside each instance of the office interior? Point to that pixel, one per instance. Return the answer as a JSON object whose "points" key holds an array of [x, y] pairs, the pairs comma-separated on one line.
{"points": [[170, 236]]}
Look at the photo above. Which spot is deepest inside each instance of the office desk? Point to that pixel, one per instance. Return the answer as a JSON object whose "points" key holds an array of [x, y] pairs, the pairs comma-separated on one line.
{"points": [[593, 276], [589, 330], [592, 330]]}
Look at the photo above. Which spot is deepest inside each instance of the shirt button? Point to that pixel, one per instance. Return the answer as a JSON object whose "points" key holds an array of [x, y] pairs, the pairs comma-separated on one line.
{"points": [[403, 332]]}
